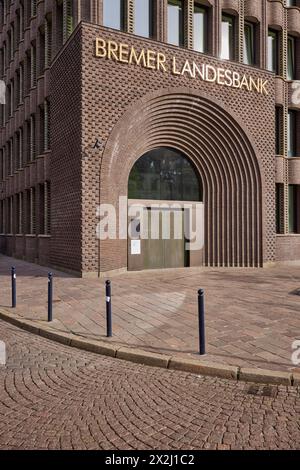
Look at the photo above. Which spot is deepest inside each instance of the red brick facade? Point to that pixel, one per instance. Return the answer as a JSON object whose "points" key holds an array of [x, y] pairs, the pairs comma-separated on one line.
{"points": [[227, 133]]}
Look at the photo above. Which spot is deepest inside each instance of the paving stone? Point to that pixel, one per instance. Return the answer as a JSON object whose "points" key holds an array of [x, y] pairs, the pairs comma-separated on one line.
{"points": [[157, 311], [58, 397]]}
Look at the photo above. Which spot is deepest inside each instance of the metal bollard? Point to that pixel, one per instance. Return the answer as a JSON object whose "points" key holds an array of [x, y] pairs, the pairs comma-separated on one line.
{"points": [[108, 310], [13, 287], [50, 297], [201, 314]]}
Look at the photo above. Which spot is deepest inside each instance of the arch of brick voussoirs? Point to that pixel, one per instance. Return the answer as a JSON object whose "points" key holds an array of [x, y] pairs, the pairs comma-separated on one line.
{"points": [[221, 151]]}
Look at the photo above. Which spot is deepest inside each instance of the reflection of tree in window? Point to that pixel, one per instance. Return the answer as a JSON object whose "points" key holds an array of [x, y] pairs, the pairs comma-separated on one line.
{"points": [[164, 174]]}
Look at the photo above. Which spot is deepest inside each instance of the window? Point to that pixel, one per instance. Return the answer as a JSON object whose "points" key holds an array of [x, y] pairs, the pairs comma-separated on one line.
{"points": [[32, 138], [20, 149], [175, 22], [67, 19], [294, 208], [46, 125], [19, 213], [48, 41], [291, 58], [291, 133], [9, 215], [2, 216], [32, 220], [33, 7], [278, 123], [114, 14], [227, 41], [164, 174], [143, 18], [290, 3], [249, 47], [33, 66], [21, 87], [272, 59], [41, 49], [279, 207], [21, 15], [11, 156], [44, 209], [2, 165], [200, 28]]}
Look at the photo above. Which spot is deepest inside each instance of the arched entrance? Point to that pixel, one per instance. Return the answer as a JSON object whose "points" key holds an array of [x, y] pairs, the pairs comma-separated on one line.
{"points": [[165, 188], [231, 170]]}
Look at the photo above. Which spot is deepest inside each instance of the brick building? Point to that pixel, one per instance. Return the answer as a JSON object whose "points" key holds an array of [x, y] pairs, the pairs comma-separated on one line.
{"points": [[176, 100]]}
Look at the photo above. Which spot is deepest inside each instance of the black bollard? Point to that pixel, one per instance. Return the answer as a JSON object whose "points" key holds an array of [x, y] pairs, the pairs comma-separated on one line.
{"points": [[201, 314], [108, 310], [50, 297], [13, 287]]}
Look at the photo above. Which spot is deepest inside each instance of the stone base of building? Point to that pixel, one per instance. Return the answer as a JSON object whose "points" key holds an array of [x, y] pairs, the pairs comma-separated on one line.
{"points": [[288, 248], [31, 248], [36, 249]]}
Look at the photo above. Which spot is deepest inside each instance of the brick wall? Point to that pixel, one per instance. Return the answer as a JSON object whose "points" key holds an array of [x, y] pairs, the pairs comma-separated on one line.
{"points": [[110, 89], [66, 167]]}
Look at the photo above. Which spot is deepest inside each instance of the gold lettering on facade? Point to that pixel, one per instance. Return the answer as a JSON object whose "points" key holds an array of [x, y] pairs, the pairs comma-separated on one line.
{"points": [[244, 83], [161, 62], [123, 55], [175, 71], [101, 50], [187, 69], [158, 61], [138, 59]]}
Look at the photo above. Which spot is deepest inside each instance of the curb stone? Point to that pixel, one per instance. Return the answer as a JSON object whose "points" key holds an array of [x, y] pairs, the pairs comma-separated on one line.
{"points": [[204, 368], [94, 347], [260, 376], [143, 357], [296, 381], [154, 359]]}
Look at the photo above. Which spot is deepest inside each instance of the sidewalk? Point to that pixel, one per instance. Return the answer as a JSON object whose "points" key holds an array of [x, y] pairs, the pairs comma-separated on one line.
{"points": [[252, 316]]}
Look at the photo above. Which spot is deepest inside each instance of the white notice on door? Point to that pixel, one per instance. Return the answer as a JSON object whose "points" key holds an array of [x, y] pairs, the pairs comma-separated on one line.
{"points": [[135, 247]]}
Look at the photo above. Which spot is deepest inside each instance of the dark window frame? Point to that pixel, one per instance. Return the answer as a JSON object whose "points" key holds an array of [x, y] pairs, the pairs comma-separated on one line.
{"points": [[232, 43], [275, 53], [206, 26], [181, 31]]}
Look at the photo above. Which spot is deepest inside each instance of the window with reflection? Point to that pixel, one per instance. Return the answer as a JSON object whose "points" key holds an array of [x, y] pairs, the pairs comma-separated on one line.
{"points": [[143, 18], [249, 45], [292, 133], [273, 48], [200, 28], [227, 39], [291, 58], [114, 14], [278, 127], [175, 22], [164, 174], [294, 208]]}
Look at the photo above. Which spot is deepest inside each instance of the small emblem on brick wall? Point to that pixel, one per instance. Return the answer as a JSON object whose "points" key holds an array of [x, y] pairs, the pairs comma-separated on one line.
{"points": [[97, 145]]}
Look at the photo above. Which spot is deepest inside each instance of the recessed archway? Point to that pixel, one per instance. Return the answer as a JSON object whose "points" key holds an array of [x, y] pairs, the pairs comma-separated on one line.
{"points": [[166, 231], [224, 157]]}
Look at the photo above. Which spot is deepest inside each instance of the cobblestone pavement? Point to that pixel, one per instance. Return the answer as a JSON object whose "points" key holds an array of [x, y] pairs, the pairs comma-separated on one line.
{"points": [[252, 315], [55, 397]]}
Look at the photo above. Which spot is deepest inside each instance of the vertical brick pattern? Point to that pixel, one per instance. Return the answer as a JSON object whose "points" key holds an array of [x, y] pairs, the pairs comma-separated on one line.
{"points": [[66, 210]]}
